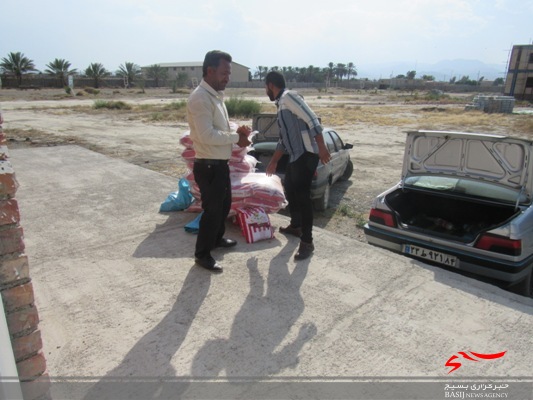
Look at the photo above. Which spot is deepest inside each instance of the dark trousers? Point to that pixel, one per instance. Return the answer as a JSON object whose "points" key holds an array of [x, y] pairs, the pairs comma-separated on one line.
{"points": [[298, 178], [215, 188]]}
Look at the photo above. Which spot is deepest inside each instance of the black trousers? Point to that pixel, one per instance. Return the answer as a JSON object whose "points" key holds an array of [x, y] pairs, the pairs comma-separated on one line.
{"points": [[215, 189], [298, 178]]}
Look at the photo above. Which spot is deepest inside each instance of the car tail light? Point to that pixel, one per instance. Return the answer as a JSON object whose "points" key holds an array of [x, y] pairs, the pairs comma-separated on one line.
{"points": [[382, 217], [499, 244]]}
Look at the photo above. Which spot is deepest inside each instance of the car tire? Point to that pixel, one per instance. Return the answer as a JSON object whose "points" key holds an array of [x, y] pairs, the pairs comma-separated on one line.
{"points": [[347, 171], [321, 204]]}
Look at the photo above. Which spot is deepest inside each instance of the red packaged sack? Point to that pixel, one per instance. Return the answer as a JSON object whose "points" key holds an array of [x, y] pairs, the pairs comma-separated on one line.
{"points": [[255, 224]]}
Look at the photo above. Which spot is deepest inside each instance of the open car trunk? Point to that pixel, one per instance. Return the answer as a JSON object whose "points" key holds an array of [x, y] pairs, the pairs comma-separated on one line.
{"points": [[461, 184], [265, 141], [453, 217], [263, 152]]}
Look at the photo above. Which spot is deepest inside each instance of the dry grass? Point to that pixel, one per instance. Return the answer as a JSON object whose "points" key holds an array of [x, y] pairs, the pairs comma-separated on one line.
{"points": [[510, 124], [433, 118], [336, 107], [343, 110], [342, 114]]}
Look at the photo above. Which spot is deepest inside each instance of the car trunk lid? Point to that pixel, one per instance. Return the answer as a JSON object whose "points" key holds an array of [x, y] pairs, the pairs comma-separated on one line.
{"points": [[495, 159], [266, 126]]}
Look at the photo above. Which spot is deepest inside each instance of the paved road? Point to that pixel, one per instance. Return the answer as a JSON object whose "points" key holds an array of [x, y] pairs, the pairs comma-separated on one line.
{"points": [[119, 296]]}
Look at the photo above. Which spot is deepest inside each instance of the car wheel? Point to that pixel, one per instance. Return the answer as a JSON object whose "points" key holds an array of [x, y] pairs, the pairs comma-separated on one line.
{"points": [[322, 203], [347, 171]]}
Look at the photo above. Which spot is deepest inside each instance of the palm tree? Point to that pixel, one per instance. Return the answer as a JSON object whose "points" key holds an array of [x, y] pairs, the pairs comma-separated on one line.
{"points": [[289, 73], [300, 74], [17, 64], [261, 72], [297, 74], [331, 68], [340, 71], [351, 70], [130, 72], [61, 69], [156, 72], [97, 72], [309, 74]]}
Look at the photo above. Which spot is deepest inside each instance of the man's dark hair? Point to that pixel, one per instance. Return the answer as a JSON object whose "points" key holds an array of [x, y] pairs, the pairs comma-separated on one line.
{"points": [[276, 78], [212, 59]]}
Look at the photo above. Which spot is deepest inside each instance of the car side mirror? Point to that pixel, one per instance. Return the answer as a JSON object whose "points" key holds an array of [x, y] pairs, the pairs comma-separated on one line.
{"points": [[347, 146]]}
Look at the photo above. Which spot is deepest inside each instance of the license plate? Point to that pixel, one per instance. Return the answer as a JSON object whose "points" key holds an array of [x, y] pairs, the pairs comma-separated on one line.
{"points": [[431, 255]]}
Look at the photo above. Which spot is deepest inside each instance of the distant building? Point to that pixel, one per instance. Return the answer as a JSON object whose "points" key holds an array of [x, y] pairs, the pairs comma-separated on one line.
{"points": [[519, 81], [239, 73]]}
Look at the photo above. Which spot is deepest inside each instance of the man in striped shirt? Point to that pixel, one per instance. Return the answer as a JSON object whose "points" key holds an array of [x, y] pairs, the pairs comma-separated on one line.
{"points": [[300, 138]]}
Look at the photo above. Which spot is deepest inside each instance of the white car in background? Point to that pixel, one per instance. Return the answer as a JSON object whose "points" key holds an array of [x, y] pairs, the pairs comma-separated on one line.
{"points": [[339, 168]]}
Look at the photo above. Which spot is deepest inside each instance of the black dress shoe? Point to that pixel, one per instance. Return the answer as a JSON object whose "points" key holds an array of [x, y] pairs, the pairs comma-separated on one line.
{"points": [[209, 263], [289, 230], [224, 242], [304, 251]]}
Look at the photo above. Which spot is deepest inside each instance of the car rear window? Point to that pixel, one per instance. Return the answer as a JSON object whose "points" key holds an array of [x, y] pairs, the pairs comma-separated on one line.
{"points": [[329, 142], [336, 139]]}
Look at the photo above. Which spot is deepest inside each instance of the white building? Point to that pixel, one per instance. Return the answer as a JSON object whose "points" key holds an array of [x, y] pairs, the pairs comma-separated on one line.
{"points": [[239, 73]]}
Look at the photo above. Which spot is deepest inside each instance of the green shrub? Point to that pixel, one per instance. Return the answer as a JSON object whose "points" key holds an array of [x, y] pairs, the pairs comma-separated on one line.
{"points": [[346, 211], [157, 117], [436, 95], [91, 90], [176, 105], [175, 86], [111, 105], [238, 107]]}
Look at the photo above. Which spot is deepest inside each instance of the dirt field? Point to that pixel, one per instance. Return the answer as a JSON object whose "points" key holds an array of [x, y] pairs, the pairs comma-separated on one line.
{"points": [[147, 134]]}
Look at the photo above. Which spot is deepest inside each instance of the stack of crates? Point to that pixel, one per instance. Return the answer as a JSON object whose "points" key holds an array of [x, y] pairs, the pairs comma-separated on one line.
{"points": [[493, 104]]}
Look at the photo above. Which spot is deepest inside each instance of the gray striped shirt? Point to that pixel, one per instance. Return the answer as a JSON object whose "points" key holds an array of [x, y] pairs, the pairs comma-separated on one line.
{"points": [[298, 125]]}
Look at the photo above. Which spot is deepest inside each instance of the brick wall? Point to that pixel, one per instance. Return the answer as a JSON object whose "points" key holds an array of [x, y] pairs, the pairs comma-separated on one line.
{"points": [[16, 288]]}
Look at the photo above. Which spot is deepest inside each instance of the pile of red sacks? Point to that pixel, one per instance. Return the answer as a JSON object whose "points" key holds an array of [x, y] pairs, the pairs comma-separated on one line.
{"points": [[249, 189]]}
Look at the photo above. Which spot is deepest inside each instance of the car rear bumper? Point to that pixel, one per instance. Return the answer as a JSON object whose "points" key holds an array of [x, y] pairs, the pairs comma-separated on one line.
{"points": [[508, 272]]}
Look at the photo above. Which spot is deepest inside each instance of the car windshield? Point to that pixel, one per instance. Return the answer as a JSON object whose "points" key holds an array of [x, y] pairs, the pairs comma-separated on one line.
{"points": [[466, 187]]}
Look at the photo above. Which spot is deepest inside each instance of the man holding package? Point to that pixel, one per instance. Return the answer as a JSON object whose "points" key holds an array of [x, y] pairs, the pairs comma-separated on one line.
{"points": [[300, 137], [213, 140]]}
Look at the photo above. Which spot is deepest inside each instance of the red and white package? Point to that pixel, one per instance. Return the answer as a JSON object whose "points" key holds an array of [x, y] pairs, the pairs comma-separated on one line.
{"points": [[238, 153], [186, 140], [270, 206], [246, 165], [188, 154], [255, 224]]}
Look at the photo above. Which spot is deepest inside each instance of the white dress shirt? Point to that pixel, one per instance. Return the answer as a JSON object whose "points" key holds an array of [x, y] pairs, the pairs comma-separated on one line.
{"points": [[209, 123]]}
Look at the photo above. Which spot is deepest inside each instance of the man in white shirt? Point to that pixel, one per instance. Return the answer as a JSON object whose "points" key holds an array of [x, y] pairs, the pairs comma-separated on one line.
{"points": [[213, 140]]}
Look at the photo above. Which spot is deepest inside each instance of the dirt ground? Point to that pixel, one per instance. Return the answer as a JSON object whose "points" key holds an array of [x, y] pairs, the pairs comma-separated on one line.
{"points": [[147, 134]]}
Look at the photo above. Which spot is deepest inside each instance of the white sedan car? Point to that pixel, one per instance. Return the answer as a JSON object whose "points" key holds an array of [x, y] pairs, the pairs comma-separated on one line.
{"points": [[464, 202]]}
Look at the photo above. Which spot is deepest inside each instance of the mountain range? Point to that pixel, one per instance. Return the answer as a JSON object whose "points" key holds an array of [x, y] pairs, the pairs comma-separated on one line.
{"points": [[442, 71]]}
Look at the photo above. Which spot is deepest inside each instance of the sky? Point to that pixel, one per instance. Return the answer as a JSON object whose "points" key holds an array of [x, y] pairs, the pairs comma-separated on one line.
{"points": [[296, 33]]}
